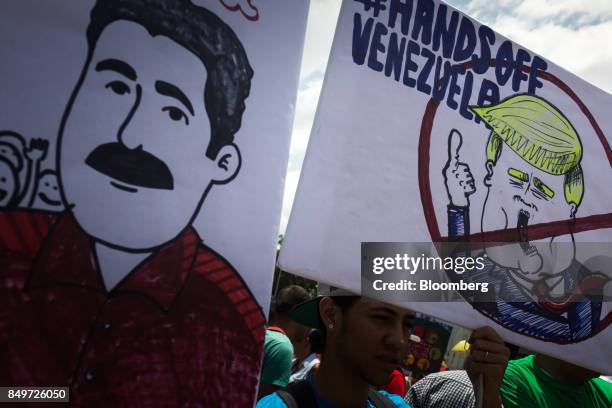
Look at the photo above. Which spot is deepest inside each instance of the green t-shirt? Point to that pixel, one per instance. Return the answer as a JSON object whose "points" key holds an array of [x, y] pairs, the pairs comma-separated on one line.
{"points": [[525, 385], [278, 355]]}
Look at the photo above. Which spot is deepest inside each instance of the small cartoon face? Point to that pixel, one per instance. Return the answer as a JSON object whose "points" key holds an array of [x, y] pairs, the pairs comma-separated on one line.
{"points": [[8, 183], [48, 195], [9, 153]]}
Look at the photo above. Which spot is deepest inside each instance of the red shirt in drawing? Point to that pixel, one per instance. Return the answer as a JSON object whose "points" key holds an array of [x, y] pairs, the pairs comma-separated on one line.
{"points": [[181, 327]]}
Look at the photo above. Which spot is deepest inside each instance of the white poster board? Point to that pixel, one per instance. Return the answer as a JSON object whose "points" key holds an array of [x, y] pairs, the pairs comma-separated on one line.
{"points": [[400, 152], [143, 150]]}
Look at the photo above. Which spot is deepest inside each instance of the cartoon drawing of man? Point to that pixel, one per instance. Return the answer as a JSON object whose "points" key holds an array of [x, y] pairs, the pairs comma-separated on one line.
{"points": [[533, 176], [117, 297]]}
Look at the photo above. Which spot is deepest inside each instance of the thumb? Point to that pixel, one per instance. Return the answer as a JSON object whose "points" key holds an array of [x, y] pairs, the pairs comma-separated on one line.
{"points": [[455, 140]]}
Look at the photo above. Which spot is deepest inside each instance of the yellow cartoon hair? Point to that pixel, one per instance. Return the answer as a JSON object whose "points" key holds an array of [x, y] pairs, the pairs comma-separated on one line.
{"points": [[540, 134]]}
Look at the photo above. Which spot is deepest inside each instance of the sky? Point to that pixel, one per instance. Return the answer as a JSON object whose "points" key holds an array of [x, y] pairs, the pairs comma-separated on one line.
{"points": [[573, 34]]}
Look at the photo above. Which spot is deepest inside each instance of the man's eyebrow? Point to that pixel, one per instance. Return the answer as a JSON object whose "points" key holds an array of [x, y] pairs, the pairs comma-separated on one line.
{"points": [[118, 66], [517, 174], [384, 309], [543, 188], [409, 317], [165, 88]]}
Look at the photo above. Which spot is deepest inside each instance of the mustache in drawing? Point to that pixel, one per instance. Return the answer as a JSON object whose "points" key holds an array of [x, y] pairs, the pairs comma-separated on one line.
{"points": [[135, 167]]}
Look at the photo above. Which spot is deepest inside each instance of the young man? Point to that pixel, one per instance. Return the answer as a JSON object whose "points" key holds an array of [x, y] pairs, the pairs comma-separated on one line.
{"points": [[541, 381], [117, 297], [282, 335], [364, 342]]}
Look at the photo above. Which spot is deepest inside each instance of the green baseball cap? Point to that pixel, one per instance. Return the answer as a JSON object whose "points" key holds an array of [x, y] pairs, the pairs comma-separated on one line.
{"points": [[307, 313]]}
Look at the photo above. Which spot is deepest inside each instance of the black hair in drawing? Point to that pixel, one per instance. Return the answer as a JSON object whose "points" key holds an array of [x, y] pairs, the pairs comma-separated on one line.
{"points": [[206, 36]]}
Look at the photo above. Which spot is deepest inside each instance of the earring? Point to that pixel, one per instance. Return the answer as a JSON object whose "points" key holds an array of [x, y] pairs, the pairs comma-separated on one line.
{"points": [[330, 326]]}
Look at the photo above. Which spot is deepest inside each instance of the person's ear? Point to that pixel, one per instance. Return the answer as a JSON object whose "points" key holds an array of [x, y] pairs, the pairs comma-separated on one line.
{"points": [[489, 166], [227, 164], [328, 313]]}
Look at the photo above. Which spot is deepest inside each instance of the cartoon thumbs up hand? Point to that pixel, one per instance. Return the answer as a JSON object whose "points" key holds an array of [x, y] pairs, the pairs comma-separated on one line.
{"points": [[458, 178]]}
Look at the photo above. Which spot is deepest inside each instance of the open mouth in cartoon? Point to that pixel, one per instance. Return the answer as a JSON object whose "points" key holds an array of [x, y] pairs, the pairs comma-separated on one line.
{"points": [[3, 194], [130, 168], [49, 201], [521, 228]]}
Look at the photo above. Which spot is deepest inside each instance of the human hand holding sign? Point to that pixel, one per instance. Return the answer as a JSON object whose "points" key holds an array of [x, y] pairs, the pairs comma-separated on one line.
{"points": [[488, 359], [458, 178]]}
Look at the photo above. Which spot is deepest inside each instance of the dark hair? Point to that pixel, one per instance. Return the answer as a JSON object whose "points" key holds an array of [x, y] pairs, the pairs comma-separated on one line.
{"points": [[344, 303], [287, 298], [204, 34], [317, 343]]}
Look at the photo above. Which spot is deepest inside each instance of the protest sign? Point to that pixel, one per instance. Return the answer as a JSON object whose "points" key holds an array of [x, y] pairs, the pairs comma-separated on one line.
{"points": [[143, 148], [433, 127]]}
